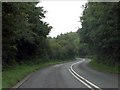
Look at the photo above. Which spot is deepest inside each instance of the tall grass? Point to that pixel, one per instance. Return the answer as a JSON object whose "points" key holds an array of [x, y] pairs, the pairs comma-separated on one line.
{"points": [[103, 67], [14, 74]]}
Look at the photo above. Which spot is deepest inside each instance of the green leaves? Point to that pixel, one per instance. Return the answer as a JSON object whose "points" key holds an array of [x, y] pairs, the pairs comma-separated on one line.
{"points": [[24, 33], [99, 31], [64, 46]]}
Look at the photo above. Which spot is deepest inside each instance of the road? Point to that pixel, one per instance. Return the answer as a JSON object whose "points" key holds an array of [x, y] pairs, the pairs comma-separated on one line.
{"points": [[62, 76]]}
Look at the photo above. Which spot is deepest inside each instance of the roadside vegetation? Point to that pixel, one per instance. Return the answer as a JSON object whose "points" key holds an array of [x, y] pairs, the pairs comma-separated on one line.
{"points": [[104, 68], [16, 73], [100, 34], [25, 36], [26, 46]]}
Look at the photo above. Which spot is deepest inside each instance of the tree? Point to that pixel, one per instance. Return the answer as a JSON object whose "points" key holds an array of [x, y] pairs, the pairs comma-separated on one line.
{"points": [[100, 31], [24, 32], [64, 46]]}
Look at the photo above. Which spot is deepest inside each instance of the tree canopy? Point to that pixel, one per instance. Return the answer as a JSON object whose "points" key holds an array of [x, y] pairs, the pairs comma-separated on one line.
{"points": [[64, 46], [100, 32], [24, 33]]}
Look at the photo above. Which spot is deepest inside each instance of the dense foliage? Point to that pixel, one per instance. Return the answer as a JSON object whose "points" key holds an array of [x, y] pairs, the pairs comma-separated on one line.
{"points": [[24, 34], [64, 46], [23, 31], [100, 33]]}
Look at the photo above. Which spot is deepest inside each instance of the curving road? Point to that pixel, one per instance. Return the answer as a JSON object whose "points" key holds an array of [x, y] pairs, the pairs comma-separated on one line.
{"points": [[77, 74]]}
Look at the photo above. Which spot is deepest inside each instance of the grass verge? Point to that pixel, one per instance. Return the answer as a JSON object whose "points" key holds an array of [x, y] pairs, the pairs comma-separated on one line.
{"points": [[103, 67], [15, 74]]}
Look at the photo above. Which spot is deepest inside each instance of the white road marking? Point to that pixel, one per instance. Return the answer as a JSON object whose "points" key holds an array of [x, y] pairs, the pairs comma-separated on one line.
{"points": [[82, 79]]}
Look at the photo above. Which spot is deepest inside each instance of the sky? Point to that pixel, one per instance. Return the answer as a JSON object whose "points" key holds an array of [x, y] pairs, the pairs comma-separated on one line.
{"points": [[63, 16]]}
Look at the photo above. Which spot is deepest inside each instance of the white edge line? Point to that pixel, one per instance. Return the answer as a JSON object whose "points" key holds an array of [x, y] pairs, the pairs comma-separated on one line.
{"points": [[82, 77]]}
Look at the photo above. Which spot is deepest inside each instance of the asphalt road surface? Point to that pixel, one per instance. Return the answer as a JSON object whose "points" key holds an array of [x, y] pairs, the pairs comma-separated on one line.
{"points": [[76, 74]]}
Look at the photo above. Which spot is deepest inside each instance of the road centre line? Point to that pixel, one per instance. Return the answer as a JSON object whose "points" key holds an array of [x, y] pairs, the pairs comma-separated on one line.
{"points": [[82, 79]]}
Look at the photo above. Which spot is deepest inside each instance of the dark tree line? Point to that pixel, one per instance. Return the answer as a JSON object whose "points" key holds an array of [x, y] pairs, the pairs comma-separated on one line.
{"points": [[64, 46], [23, 32], [100, 33], [24, 36]]}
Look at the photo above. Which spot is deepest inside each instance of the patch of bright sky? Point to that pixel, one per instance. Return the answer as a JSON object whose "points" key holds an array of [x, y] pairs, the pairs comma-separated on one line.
{"points": [[63, 16]]}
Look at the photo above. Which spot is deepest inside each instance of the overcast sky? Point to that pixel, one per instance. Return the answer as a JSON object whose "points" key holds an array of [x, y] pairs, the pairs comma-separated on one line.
{"points": [[63, 16]]}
